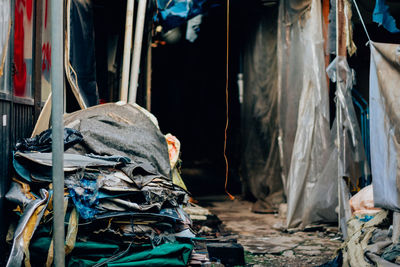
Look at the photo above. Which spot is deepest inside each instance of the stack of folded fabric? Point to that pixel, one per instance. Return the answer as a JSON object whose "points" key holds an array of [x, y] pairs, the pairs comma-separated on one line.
{"points": [[124, 197]]}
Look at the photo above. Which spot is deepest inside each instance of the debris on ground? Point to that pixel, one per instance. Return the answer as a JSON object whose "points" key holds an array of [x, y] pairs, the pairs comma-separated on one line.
{"points": [[266, 246]]}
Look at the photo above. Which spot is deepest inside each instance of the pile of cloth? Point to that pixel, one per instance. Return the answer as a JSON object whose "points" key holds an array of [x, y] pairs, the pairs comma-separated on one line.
{"points": [[124, 199]]}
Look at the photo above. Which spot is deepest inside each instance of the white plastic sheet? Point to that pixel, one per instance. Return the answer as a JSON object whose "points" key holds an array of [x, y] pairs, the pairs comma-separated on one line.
{"points": [[385, 122], [303, 90]]}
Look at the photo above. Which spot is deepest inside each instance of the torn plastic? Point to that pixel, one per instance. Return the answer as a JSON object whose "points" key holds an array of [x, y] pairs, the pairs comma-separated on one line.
{"points": [[43, 141], [260, 166], [353, 163], [384, 123]]}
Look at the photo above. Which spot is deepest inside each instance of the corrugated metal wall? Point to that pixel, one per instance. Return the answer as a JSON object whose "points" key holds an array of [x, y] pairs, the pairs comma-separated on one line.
{"points": [[23, 123], [17, 122], [5, 111]]}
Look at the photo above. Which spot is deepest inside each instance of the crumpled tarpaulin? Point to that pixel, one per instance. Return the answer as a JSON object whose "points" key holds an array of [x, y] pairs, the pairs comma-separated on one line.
{"points": [[260, 166], [382, 16], [43, 141], [384, 124], [305, 139], [370, 243], [124, 130]]}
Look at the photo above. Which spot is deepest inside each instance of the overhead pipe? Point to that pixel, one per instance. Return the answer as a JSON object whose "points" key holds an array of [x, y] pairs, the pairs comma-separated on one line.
{"points": [[57, 86], [137, 49], [127, 51]]}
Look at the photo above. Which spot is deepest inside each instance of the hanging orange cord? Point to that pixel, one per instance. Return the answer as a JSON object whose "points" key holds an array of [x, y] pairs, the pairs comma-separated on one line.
{"points": [[227, 100]]}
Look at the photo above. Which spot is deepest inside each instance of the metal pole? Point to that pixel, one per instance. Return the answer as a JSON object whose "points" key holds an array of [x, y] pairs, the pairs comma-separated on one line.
{"points": [[338, 116], [148, 74], [127, 50], [137, 49], [57, 84], [340, 52], [38, 59]]}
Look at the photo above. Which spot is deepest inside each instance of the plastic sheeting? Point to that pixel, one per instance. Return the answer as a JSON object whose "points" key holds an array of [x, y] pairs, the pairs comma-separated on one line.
{"points": [[385, 121], [260, 161], [304, 113]]}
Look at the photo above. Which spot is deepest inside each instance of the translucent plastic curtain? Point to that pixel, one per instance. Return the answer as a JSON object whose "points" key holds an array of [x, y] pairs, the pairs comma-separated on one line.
{"points": [[260, 166], [305, 139]]}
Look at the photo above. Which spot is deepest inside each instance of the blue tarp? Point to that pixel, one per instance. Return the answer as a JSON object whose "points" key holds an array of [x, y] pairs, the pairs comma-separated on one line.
{"points": [[382, 16], [173, 13]]}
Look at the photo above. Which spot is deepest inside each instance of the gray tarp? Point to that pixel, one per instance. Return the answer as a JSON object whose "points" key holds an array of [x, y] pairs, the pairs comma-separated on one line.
{"points": [[304, 106], [123, 130], [385, 121], [260, 161]]}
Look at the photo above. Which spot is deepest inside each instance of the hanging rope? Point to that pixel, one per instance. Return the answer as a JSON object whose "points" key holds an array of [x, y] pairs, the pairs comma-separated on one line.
{"points": [[362, 21], [227, 101]]}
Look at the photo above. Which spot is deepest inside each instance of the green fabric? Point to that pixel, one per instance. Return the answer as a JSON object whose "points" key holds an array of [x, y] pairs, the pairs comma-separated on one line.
{"points": [[170, 254], [94, 246]]}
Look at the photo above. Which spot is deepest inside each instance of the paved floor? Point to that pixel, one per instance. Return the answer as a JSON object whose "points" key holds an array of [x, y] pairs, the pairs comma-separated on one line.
{"points": [[266, 246]]}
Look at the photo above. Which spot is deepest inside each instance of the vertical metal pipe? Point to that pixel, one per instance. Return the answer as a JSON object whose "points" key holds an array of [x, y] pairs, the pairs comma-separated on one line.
{"points": [[338, 124], [38, 59], [57, 84], [148, 74], [341, 51], [137, 49], [127, 51]]}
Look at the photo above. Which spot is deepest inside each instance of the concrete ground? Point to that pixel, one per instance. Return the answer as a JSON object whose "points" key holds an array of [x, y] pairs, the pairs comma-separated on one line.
{"points": [[265, 244]]}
